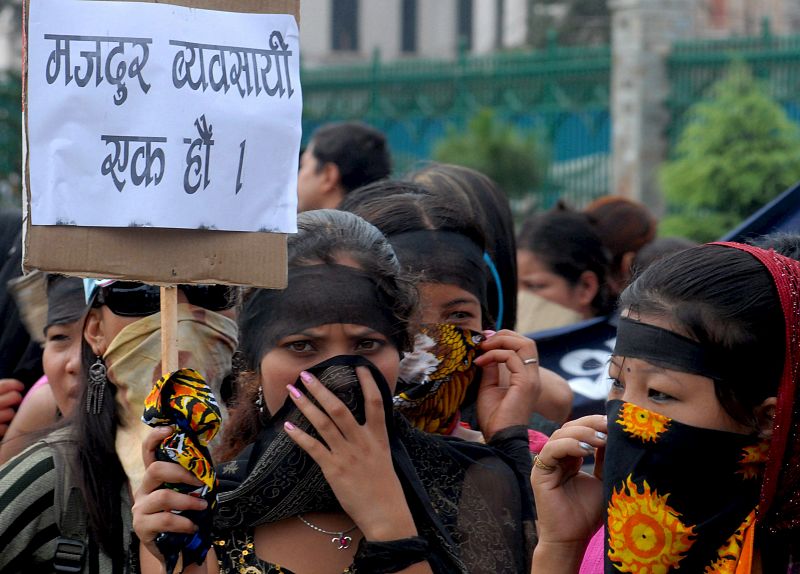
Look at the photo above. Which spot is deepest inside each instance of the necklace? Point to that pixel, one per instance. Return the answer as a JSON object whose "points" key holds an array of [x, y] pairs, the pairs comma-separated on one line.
{"points": [[340, 538]]}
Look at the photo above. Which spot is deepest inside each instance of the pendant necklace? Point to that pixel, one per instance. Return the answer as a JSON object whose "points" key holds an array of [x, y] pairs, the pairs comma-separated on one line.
{"points": [[340, 538]]}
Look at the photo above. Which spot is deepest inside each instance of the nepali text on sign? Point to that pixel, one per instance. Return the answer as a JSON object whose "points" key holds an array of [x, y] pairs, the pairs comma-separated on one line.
{"points": [[156, 115]]}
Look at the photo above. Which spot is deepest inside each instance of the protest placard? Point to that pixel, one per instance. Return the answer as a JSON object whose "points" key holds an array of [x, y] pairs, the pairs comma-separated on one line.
{"points": [[161, 121]]}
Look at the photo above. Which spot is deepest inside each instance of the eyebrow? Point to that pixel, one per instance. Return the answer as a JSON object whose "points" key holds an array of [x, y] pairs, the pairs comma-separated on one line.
{"points": [[364, 331], [462, 301], [648, 369]]}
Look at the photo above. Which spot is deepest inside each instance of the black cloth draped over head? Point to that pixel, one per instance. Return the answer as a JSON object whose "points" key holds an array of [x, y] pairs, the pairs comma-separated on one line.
{"points": [[472, 502], [443, 257], [315, 295], [66, 301]]}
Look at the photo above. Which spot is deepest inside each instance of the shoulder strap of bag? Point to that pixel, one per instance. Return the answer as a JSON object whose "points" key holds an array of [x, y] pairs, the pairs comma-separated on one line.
{"points": [[69, 508]]}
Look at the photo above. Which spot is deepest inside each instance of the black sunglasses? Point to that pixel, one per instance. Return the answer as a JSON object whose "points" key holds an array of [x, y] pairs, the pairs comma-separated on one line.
{"points": [[139, 300]]}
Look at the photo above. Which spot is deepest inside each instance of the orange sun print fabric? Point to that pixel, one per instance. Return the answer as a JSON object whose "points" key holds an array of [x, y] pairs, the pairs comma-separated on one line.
{"points": [[642, 423], [646, 535]]}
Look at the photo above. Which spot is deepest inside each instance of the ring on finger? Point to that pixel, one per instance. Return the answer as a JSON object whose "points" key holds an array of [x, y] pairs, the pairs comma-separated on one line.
{"points": [[531, 361], [539, 463]]}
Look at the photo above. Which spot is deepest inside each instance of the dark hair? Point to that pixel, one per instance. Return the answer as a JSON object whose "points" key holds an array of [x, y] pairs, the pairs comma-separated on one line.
{"points": [[99, 471], [624, 226], [657, 249], [489, 205], [358, 150], [397, 207], [786, 244], [725, 299], [568, 244], [323, 236]]}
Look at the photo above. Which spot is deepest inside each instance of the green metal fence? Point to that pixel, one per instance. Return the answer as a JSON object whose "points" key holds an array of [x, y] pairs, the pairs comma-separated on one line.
{"points": [[695, 66], [561, 94], [10, 139]]}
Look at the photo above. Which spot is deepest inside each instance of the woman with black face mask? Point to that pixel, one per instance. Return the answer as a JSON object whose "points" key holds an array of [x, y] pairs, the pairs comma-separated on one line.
{"points": [[700, 450], [321, 475]]}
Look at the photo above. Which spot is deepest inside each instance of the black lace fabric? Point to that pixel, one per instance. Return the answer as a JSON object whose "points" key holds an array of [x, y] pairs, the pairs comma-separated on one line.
{"points": [[472, 502]]}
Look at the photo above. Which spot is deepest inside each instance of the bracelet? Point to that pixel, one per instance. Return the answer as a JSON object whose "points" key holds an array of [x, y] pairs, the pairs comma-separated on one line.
{"points": [[390, 556]]}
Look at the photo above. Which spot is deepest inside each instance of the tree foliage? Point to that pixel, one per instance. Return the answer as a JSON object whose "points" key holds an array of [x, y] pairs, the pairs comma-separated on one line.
{"points": [[10, 137], [496, 148], [738, 151]]}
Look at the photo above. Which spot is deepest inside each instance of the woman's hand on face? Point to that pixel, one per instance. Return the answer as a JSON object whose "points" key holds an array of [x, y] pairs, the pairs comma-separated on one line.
{"points": [[357, 461], [569, 503], [153, 505], [505, 401]]}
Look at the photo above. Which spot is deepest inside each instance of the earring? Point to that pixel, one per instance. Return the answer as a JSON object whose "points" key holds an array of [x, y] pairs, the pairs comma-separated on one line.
{"points": [[262, 410], [97, 387]]}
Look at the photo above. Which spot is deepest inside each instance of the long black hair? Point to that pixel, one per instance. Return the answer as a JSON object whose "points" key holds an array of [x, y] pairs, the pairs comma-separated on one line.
{"points": [[99, 470], [725, 299], [398, 207], [484, 198], [567, 242]]}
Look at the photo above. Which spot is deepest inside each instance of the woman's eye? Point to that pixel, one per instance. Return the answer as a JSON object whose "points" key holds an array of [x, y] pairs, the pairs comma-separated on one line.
{"points": [[616, 385], [300, 346], [58, 338], [369, 345], [658, 396], [459, 316]]}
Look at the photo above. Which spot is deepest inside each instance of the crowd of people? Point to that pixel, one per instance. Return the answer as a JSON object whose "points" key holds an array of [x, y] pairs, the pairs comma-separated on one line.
{"points": [[438, 389]]}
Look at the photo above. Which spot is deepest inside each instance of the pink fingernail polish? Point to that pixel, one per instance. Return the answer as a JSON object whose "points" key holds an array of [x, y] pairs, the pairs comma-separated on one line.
{"points": [[288, 426], [294, 392], [307, 377], [489, 333]]}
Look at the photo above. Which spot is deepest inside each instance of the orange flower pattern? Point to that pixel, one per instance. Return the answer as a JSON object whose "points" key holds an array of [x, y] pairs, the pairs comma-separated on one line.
{"points": [[642, 423], [646, 535], [753, 459], [731, 551]]}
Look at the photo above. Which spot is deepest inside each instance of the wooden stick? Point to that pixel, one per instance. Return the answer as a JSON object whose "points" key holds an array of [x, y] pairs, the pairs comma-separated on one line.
{"points": [[169, 329]]}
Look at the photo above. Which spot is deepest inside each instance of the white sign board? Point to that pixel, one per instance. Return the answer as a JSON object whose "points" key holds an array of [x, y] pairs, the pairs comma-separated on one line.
{"points": [[157, 115]]}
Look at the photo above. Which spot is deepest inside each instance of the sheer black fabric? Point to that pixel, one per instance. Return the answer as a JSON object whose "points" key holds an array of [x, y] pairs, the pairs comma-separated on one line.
{"points": [[315, 295], [66, 301], [443, 257], [472, 502]]}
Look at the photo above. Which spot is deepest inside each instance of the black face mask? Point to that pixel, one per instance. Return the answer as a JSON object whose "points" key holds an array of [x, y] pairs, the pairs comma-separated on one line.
{"points": [[274, 478], [676, 496]]}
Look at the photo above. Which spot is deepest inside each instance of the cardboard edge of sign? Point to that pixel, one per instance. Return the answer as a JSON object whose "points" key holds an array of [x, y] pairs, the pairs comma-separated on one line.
{"points": [[157, 256]]}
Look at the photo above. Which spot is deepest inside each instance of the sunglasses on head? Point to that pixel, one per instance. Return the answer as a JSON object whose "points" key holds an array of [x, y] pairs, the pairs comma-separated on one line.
{"points": [[139, 300]]}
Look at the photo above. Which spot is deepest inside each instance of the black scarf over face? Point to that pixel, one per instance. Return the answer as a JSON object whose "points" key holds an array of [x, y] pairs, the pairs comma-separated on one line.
{"points": [[443, 257], [466, 498], [676, 495]]}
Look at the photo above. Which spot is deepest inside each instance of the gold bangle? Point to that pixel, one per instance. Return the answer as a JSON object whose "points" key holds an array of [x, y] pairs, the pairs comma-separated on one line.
{"points": [[538, 463]]}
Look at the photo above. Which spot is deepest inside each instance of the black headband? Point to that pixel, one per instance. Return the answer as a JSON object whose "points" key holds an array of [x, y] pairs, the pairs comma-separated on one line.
{"points": [[65, 300], [443, 257], [315, 295], [667, 349]]}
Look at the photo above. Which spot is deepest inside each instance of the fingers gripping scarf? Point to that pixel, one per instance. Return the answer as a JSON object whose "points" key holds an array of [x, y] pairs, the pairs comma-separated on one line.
{"points": [[183, 399]]}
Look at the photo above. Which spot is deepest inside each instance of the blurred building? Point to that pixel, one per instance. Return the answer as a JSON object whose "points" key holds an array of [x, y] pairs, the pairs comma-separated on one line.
{"points": [[726, 18], [339, 31], [10, 35]]}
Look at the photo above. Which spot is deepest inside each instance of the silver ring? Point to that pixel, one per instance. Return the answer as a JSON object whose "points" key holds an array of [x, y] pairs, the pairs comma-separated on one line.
{"points": [[531, 361]]}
